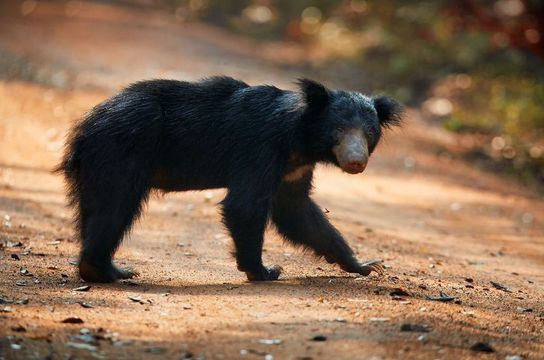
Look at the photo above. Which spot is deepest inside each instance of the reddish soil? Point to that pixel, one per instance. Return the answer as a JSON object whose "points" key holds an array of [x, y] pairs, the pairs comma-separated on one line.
{"points": [[440, 224]]}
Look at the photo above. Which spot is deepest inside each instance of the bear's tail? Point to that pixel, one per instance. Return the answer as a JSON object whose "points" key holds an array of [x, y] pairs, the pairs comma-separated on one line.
{"points": [[69, 166]]}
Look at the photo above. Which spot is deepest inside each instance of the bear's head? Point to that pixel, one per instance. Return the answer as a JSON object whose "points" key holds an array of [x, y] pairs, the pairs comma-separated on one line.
{"points": [[344, 127]]}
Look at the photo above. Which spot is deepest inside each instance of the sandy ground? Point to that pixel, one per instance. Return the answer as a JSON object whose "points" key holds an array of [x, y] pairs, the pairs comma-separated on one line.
{"points": [[441, 225]]}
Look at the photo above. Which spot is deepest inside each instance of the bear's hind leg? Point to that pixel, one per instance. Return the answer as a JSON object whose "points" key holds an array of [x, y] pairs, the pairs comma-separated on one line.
{"points": [[105, 216]]}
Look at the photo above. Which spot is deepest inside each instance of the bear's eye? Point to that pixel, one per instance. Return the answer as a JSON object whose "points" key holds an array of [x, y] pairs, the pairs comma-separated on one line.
{"points": [[340, 130]]}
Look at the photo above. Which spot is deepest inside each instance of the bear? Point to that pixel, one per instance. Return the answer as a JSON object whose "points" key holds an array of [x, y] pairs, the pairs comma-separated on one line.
{"points": [[261, 143]]}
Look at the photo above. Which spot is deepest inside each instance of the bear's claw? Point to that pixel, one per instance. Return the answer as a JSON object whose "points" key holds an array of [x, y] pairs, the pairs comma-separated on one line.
{"points": [[364, 268], [126, 272], [265, 274], [107, 273], [369, 266]]}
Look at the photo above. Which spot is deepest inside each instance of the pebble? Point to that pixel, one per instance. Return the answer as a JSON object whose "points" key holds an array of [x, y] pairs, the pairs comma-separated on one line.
{"points": [[319, 338], [482, 347], [81, 346], [269, 341]]}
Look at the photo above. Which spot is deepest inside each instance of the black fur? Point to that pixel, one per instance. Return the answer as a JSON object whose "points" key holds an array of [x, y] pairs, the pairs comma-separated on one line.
{"points": [[216, 133], [315, 94], [389, 111]]}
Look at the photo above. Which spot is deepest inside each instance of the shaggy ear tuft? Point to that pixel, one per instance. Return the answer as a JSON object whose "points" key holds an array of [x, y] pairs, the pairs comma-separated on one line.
{"points": [[315, 94], [389, 111]]}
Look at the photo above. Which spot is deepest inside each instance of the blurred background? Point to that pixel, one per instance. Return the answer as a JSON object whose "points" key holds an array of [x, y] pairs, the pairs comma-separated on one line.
{"points": [[473, 67]]}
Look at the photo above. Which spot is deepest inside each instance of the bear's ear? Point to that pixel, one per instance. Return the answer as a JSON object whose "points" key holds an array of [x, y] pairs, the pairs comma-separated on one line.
{"points": [[389, 111], [315, 94]]}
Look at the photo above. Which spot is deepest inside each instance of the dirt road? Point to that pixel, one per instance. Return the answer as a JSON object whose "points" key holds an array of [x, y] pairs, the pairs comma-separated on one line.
{"points": [[441, 225]]}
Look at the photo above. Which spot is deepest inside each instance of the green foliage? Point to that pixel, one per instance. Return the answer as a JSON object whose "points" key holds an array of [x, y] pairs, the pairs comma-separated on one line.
{"points": [[511, 110], [509, 105]]}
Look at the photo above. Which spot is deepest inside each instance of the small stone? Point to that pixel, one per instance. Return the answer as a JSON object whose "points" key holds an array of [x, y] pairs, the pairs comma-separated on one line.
{"points": [[399, 292], [82, 288], [81, 346], [482, 347], [443, 297], [514, 357], [72, 320], [269, 341], [18, 328], [128, 282], [499, 286], [137, 299], [24, 271], [415, 328], [319, 338]]}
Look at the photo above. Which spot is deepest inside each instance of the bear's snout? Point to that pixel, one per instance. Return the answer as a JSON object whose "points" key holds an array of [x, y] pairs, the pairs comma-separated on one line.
{"points": [[352, 151], [355, 167]]}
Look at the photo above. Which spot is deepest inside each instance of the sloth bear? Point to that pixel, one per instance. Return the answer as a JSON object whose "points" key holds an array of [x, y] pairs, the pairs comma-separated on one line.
{"points": [[260, 142]]}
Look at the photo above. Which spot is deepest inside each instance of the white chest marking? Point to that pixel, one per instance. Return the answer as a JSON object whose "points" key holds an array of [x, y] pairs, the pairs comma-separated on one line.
{"points": [[298, 173]]}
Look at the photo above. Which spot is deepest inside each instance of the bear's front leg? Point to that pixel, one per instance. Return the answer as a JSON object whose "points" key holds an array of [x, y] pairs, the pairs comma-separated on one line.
{"points": [[302, 222], [245, 216]]}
